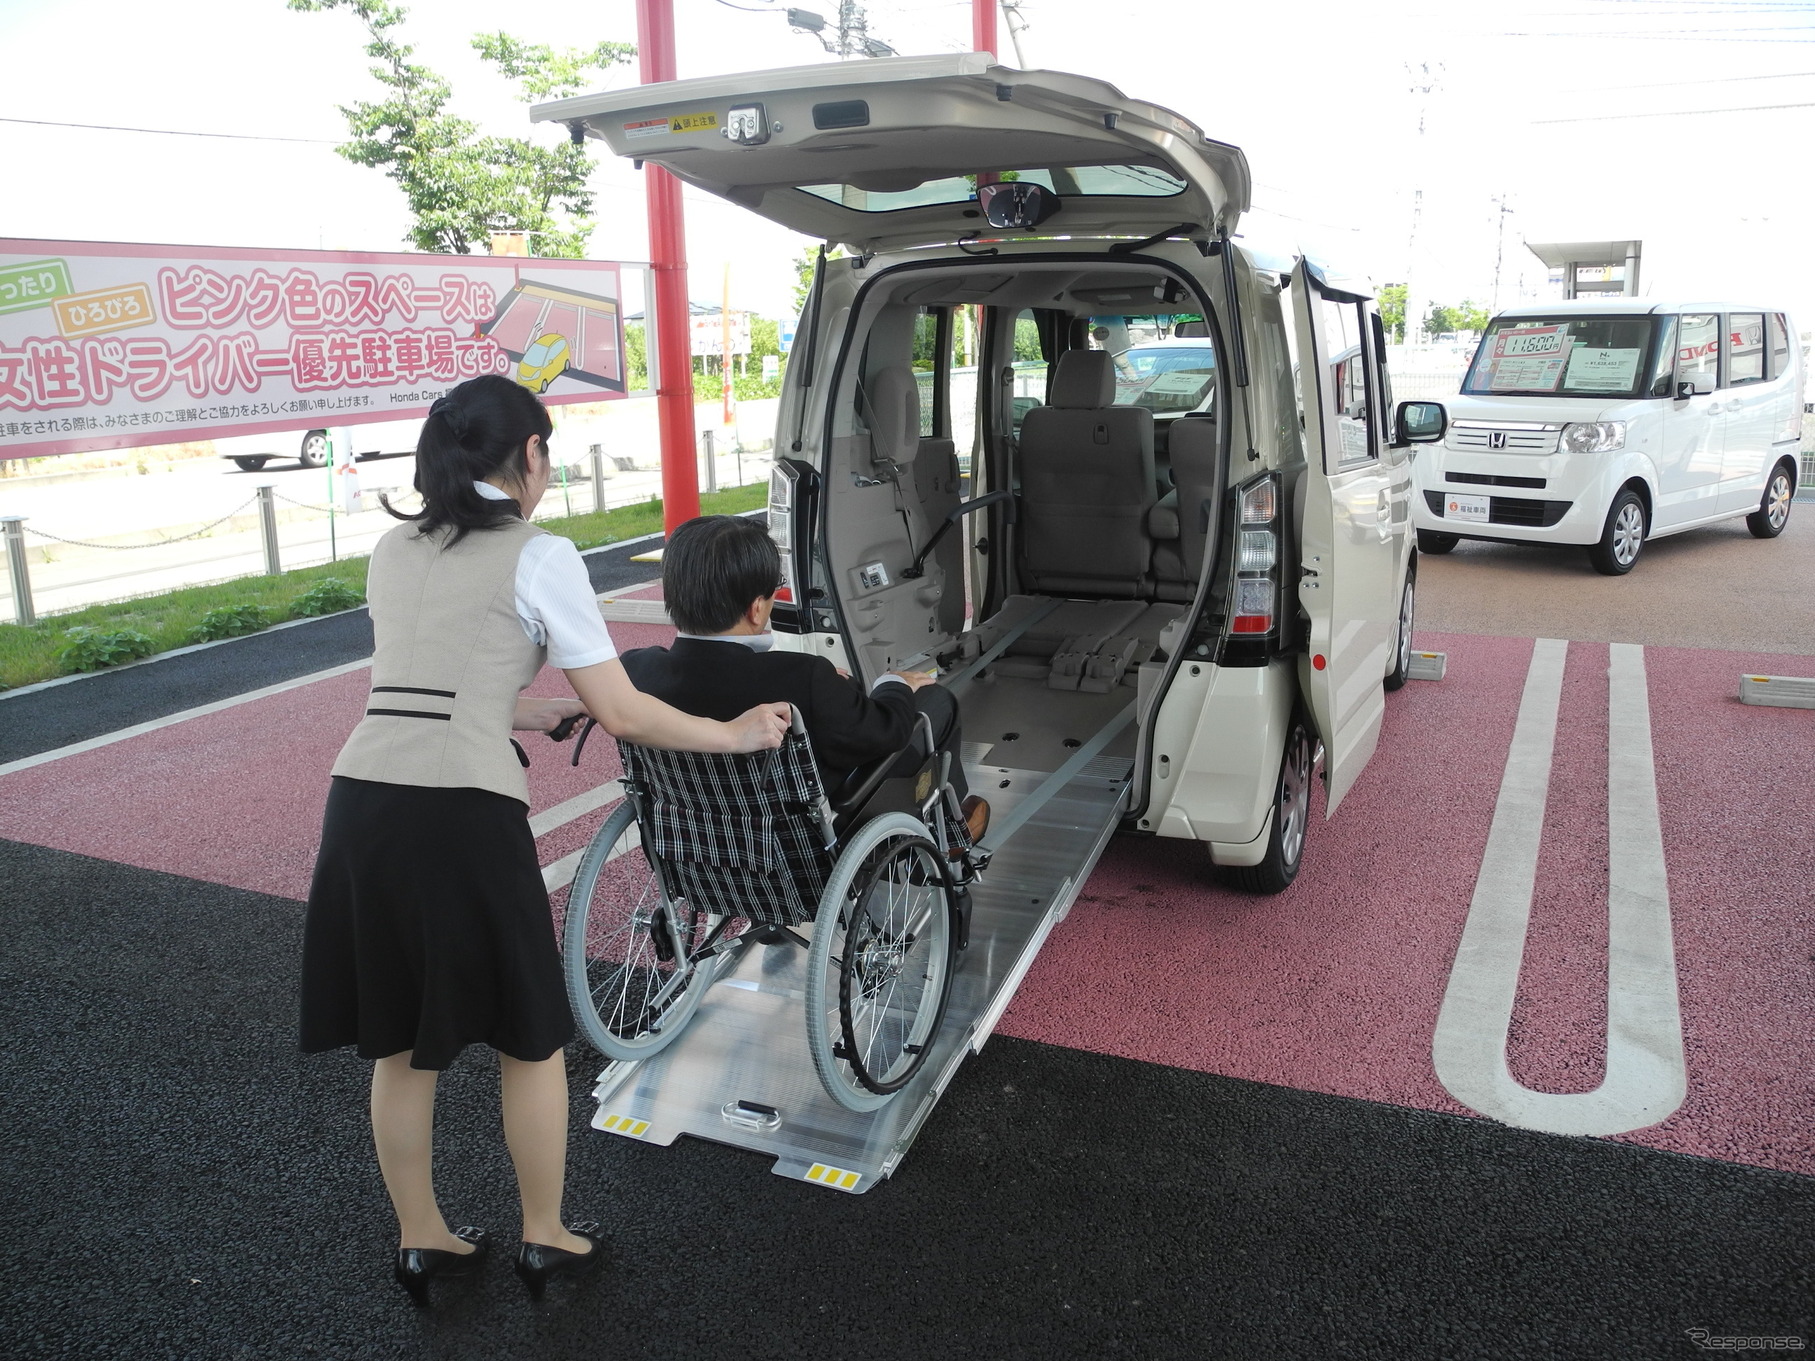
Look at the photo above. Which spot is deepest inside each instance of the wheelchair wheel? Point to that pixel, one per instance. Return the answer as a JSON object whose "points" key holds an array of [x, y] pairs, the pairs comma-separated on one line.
{"points": [[880, 969], [628, 950]]}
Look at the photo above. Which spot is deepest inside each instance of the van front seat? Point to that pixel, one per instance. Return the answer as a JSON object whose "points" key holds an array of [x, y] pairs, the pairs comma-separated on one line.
{"points": [[1086, 486], [1181, 521]]}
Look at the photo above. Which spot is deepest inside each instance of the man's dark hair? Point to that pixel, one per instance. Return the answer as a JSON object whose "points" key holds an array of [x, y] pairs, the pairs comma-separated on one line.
{"points": [[713, 567]]}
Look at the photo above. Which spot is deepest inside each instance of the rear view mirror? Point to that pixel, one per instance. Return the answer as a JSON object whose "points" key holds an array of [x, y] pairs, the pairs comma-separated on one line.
{"points": [[1421, 422], [1016, 204], [1693, 385]]}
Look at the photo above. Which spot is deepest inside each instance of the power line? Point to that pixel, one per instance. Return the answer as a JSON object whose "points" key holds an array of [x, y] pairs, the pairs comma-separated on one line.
{"points": [[170, 132], [1673, 84], [1674, 113]]}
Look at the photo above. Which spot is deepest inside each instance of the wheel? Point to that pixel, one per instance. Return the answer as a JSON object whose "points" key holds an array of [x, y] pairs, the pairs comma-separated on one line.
{"points": [[629, 1000], [1291, 819], [314, 452], [1623, 538], [880, 969], [1430, 541], [1773, 511], [1402, 646], [250, 465]]}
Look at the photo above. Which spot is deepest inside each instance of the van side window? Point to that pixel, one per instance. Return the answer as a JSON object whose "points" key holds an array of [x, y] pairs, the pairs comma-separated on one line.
{"points": [[1030, 368], [1745, 348], [1698, 347], [1780, 345], [1663, 358], [1346, 371], [929, 370]]}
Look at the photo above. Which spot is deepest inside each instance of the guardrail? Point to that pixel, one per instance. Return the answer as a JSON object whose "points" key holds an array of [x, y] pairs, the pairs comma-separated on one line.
{"points": [[579, 489]]}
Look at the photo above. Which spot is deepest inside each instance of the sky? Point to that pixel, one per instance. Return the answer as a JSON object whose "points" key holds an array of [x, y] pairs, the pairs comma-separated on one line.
{"points": [[1402, 138]]}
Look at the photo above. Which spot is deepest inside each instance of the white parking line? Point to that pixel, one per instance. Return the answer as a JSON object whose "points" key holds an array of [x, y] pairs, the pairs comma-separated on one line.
{"points": [[577, 807], [1645, 1079], [183, 716]]}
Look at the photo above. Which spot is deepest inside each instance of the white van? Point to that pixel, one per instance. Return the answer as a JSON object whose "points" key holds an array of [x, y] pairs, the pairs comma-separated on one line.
{"points": [[1609, 421], [1153, 611]]}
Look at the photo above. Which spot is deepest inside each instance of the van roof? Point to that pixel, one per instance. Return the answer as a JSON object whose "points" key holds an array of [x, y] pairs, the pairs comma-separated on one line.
{"points": [[1619, 307]]}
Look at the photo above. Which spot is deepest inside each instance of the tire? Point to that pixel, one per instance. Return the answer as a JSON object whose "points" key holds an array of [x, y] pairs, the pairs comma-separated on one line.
{"points": [[1430, 541], [1402, 642], [250, 465], [1291, 822], [314, 451], [1622, 538], [1773, 511], [880, 969], [629, 1002]]}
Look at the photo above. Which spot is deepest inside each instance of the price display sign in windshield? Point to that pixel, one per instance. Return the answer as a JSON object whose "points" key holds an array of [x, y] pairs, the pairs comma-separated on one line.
{"points": [[1528, 359]]}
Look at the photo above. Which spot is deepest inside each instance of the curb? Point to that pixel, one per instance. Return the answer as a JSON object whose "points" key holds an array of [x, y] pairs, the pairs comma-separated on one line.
{"points": [[36, 686]]}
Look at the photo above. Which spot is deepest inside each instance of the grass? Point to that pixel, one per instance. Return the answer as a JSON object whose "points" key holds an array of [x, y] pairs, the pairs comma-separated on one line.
{"points": [[38, 653]]}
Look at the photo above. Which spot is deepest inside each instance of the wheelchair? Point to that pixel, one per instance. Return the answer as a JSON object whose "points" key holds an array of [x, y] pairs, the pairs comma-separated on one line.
{"points": [[712, 853]]}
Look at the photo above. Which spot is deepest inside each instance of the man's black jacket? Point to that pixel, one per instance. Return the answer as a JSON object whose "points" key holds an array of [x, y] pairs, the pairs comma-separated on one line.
{"points": [[718, 679]]}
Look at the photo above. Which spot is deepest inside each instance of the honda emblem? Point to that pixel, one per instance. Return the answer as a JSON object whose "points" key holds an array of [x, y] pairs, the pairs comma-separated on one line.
{"points": [[1496, 439]]}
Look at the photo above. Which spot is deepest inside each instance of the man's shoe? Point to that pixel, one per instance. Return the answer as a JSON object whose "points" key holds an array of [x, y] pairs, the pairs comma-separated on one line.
{"points": [[976, 817]]}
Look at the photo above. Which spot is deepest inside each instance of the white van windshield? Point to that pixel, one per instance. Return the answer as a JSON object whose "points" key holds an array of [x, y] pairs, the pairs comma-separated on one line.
{"points": [[1570, 356]]}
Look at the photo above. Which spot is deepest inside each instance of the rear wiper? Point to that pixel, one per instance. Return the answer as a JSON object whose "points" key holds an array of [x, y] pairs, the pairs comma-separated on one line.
{"points": [[1130, 247]]}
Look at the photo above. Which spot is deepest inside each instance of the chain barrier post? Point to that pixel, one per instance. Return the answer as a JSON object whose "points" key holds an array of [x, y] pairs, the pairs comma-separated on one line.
{"points": [[267, 523], [711, 462], [597, 454], [15, 564]]}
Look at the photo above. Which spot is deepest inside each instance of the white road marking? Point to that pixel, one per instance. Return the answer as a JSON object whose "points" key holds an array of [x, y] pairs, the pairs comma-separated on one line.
{"points": [[561, 873], [577, 807], [1645, 1079], [182, 716]]}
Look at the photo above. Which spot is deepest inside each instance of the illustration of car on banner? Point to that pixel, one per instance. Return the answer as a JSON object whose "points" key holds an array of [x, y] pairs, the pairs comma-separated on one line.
{"points": [[551, 332]]}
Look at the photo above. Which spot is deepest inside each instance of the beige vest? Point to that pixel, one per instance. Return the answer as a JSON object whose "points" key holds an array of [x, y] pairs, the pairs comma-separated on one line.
{"points": [[450, 659]]}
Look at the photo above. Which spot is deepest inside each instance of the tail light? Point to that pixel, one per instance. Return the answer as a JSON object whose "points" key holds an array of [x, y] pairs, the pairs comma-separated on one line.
{"points": [[791, 488], [1254, 603]]}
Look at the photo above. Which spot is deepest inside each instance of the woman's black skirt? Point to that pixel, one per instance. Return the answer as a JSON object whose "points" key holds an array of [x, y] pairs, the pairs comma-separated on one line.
{"points": [[428, 928]]}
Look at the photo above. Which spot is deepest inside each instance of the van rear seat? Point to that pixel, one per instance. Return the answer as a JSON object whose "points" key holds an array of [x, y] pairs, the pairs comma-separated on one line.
{"points": [[1087, 485]]}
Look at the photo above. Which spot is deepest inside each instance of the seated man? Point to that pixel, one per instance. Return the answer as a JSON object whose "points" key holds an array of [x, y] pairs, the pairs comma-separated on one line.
{"points": [[719, 578]]}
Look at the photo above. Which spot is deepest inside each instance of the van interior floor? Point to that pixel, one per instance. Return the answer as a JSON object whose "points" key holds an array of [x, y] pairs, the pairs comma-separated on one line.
{"points": [[1069, 669]]}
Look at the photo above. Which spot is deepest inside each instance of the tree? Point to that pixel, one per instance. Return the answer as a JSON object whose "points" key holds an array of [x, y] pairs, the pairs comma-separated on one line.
{"points": [[1392, 311], [1464, 317], [462, 187]]}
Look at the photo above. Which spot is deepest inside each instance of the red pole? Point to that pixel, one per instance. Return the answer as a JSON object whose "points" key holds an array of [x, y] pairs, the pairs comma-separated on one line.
{"points": [[668, 255], [983, 26]]}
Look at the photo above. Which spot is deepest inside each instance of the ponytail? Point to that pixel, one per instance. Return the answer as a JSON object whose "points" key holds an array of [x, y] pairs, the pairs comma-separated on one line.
{"points": [[476, 432]]}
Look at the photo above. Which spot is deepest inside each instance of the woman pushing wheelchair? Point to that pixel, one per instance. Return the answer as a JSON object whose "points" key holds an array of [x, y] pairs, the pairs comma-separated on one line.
{"points": [[428, 925]]}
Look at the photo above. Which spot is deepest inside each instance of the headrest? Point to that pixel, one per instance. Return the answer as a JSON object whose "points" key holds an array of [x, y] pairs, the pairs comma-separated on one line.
{"points": [[894, 415], [1191, 445], [1084, 380]]}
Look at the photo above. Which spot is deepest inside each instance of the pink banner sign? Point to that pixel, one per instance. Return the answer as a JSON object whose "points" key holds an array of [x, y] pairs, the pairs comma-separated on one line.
{"points": [[107, 346]]}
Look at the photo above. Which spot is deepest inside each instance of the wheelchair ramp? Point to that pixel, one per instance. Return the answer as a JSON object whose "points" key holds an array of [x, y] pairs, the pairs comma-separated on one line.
{"points": [[741, 1073]]}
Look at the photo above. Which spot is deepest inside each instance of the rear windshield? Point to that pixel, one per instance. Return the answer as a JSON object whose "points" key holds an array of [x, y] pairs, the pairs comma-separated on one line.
{"points": [[1090, 181], [1571, 356]]}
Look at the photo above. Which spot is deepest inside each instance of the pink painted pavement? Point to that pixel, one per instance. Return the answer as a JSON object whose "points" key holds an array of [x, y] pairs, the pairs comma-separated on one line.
{"points": [[1333, 986]]}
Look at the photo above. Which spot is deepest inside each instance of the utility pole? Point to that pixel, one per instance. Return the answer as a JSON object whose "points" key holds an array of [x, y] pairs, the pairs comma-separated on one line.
{"points": [[1499, 250], [1017, 25], [668, 289], [1426, 77]]}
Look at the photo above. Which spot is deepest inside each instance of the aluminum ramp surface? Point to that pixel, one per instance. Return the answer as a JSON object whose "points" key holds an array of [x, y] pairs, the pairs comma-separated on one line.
{"points": [[741, 1073]]}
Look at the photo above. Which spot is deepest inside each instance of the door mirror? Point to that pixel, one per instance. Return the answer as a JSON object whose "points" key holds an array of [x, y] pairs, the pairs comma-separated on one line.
{"points": [[1016, 204], [1421, 422], [1693, 385]]}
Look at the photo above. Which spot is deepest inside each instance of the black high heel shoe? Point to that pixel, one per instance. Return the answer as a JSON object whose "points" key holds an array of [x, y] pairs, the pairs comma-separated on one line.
{"points": [[536, 1262], [416, 1267]]}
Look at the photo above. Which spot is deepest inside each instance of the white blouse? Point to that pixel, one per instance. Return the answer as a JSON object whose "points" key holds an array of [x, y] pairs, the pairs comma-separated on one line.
{"points": [[555, 601]]}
